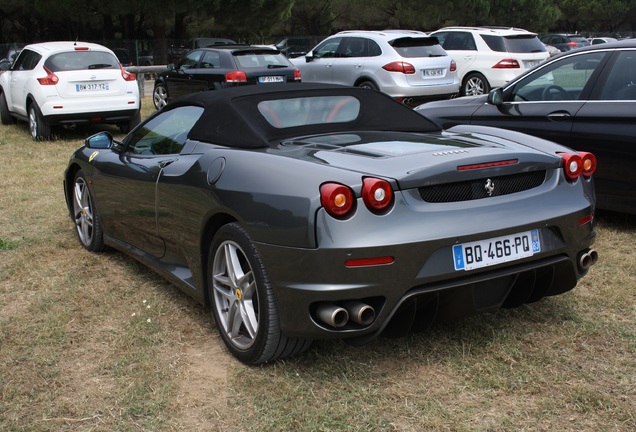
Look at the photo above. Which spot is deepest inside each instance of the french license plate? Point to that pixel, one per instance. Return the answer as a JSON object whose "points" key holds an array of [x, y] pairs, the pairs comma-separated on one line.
{"points": [[483, 253], [531, 64], [91, 87], [271, 79], [433, 72]]}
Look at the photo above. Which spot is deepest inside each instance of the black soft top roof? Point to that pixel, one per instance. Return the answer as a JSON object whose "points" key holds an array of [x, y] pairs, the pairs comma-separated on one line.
{"points": [[231, 117]]}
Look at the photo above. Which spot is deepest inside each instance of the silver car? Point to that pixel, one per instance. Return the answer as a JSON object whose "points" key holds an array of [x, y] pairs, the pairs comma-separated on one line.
{"points": [[407, 65]]}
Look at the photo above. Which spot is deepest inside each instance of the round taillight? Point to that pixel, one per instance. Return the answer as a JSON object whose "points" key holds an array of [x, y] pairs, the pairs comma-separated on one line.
{"points": [[376, 194], [337, 199], [589, 163], [572, 165]]}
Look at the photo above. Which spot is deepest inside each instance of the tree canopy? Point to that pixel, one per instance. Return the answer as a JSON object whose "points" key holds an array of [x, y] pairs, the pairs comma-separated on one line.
{"points": [[257, 21]]}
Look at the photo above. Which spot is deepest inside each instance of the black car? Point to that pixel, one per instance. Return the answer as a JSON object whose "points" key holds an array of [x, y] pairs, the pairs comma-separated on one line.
{"points": [[223, 66], [565, 41], [585, 99], [309, 211]]}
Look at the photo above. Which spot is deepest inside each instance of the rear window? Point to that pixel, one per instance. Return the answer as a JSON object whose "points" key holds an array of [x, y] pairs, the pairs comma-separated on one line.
{"points": [[261, 59], [286, 113], [514, 44], [418, 47], [81, 60]]}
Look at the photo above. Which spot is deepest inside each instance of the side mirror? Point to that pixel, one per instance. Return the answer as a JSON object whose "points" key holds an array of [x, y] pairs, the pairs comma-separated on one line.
{"points": [[101, 140], [309, 57], [495, 97], [172, 67], [5, 65]]}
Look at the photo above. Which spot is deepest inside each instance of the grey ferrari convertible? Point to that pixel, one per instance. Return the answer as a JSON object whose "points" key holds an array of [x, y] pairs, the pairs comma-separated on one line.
{"points": [[318, 211]]}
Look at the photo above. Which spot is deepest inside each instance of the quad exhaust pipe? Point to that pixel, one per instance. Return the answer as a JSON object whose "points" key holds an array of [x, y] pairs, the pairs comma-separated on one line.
{"points": [[588, 259], [352, 311]]}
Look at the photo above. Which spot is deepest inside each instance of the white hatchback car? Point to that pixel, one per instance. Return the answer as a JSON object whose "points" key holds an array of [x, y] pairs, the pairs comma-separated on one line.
{"points": [[489, 57], [407, 65], [68, 83]]}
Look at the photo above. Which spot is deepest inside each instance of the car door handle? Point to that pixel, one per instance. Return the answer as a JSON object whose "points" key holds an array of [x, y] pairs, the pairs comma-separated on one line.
{"points": [[559, 116], [165, 163]]}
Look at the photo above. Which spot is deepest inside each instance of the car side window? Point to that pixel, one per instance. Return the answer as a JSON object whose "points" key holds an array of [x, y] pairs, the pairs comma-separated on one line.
{"points": [[621, 81], [27, 60], [327, 49], [166, 133], [191, 60], [211, 59], [354, 47], [459, 41], [562, 80]]}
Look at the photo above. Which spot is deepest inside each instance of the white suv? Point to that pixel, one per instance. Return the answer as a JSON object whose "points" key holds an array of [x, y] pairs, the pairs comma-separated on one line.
{"points": [[68, 83], [407, 65], [489, 57]]}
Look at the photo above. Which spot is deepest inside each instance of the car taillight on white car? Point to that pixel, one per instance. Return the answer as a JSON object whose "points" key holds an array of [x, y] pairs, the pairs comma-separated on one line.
{"points": [[49, 79]]}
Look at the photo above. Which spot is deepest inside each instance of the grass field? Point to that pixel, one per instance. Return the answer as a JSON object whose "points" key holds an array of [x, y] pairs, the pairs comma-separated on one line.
{"points": [[96, 342]]}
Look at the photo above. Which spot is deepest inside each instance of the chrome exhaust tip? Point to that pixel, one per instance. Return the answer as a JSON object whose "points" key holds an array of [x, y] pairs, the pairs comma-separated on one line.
{"points": [[360, 313], [332, 315]]}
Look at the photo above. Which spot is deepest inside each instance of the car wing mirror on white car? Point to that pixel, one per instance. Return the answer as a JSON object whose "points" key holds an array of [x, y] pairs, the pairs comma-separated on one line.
{"points": [[495, 97], [309, 57]]}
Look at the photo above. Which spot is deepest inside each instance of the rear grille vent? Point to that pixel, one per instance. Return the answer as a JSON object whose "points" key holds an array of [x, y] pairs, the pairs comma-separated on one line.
{"points": [[482, 188]]}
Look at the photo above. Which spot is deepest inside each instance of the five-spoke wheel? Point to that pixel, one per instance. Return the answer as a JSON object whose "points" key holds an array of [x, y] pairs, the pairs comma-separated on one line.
{"points": [[160, 96], [243, 304], [89, 228], [475, 84]]}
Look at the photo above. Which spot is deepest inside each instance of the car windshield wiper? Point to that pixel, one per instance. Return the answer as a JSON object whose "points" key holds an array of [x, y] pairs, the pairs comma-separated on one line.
{"points": [[100, 66]]}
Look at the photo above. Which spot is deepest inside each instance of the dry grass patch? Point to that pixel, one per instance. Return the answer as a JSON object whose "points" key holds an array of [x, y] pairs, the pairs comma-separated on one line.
{"points": [[96, 342]]}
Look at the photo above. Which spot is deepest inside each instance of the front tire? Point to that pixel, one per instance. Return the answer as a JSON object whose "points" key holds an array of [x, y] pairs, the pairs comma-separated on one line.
{"points": [[39, 130], [160, 96], [87, 222], [5, 117], [242, 300], [475, 84]]}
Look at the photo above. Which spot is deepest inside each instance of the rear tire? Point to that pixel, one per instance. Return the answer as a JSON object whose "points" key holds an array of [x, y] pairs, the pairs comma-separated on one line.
{"points": [[475, 84], [368, 84], [40, 131], [5, 117], [242, 300], [130, 125], [160, 96]]}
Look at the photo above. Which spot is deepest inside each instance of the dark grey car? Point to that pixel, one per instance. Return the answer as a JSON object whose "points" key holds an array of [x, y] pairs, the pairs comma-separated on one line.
{"points": [[318, 211]]}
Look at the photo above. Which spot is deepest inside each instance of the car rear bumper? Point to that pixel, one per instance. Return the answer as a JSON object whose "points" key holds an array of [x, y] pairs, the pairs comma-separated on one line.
{"points": [[421, 274], [92, 117]]}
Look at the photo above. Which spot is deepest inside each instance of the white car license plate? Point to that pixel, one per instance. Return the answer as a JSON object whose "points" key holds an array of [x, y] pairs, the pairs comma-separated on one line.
{"points": [[271, 79], [531, 64], [433, 72], [91, 87], [483, 253]]}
